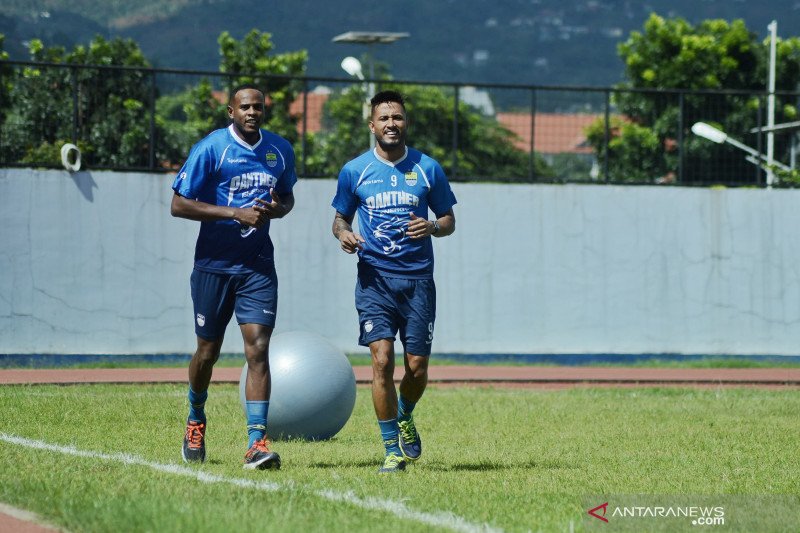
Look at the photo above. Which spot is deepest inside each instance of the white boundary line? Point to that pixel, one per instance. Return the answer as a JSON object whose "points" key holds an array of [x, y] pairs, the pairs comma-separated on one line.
{"points": [[399, 509]]}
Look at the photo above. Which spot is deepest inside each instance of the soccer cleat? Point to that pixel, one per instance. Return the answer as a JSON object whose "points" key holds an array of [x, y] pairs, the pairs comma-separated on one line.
{"points": [[194, 442], [259, 457], [410, 442], [392, 463]]}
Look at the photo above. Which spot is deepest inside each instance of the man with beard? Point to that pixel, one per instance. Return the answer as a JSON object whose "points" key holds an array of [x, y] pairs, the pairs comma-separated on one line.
{"points": [[392, 187]]}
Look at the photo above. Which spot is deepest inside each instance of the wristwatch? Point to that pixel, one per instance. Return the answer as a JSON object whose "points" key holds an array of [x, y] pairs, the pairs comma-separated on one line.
{"points": [[435, 229]]}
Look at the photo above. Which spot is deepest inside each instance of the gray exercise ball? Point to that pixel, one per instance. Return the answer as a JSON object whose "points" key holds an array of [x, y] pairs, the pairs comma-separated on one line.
{"points": [[313, 387]]}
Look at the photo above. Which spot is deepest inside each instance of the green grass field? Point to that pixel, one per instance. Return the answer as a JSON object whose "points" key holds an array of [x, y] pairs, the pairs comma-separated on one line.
{"points": [[106, 458]]}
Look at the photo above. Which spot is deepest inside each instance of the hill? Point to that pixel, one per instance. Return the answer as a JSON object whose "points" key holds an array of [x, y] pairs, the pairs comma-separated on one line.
{"points": [[547, 42]]}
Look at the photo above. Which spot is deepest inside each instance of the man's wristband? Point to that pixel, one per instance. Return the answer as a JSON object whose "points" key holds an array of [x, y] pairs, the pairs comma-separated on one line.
{"points": [[435, 229]]}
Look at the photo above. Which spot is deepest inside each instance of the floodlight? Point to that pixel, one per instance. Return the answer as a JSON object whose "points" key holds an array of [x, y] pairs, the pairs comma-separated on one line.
{"points": [[352, 66], [370, 37]]}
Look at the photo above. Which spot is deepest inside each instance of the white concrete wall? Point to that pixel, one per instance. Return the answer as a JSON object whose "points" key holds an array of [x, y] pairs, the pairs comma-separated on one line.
{"points": [[93, 263]]}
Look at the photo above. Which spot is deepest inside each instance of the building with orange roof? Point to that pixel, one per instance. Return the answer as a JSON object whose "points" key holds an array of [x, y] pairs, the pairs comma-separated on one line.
{"points": [[313, 103], [553, 133]]}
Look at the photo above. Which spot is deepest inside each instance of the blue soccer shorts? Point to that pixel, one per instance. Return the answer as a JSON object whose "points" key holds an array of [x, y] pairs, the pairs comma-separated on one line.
{"points": [[388, 305], [253, 296]]}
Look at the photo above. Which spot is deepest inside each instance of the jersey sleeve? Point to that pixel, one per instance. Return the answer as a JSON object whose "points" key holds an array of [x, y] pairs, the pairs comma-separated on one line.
{"points": [[440, 196], [345, 201], [192, 176], [288, 178]]}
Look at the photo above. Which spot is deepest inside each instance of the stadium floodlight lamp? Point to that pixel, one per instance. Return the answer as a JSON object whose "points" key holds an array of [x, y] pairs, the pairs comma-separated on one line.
{"points": [[370, 37], [352, 66], [701, 129]]}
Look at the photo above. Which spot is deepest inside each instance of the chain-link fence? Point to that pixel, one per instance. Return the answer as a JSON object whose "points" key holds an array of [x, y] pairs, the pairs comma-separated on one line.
{"points": [[124, 118]]}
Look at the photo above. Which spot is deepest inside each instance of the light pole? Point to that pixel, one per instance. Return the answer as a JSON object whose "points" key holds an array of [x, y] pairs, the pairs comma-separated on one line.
{"points": [[786, 127], [773, 32], [370, 38], [352, 66], [706, 131]]}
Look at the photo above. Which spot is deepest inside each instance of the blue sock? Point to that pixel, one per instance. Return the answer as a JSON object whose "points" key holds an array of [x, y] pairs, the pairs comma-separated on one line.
{"points": [[197, 405], [404, 408], [389, 432], [256, 421]]}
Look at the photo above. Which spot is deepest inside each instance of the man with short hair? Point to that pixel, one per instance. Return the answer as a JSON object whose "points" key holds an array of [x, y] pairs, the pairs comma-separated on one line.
{"points": [[392, 187], [235, 181]]}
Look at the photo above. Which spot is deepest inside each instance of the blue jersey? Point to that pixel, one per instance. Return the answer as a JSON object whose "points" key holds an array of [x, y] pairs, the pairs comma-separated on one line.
{"points": [[384, 193], [222, 169]]}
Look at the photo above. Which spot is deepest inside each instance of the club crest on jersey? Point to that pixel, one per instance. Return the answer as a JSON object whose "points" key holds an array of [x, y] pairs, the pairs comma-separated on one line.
{"points": [[411, 178], [272, 159]]}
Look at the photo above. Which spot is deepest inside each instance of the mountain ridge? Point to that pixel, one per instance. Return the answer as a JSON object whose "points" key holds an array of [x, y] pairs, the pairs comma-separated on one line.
{"points": [[536, 42]]}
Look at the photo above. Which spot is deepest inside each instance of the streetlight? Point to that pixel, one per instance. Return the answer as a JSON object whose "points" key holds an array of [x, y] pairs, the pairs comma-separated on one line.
{"points": [[709, 132], [706, 131], [369, 38], [352, 66]]}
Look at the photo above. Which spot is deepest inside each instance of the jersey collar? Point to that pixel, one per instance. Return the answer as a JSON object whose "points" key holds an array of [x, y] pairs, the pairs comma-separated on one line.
{"points": [[386, 161], [242, 141]]}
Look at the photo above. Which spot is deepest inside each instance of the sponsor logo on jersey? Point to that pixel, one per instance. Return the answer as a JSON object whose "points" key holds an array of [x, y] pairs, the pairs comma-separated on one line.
{"points": [[182, 176], [246, 231], [368, 326], [250, 180], [411, 178], [272, 159], [392, 199], [201, 320]]}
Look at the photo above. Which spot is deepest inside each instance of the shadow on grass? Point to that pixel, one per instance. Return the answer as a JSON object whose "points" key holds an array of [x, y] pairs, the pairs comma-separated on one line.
{"points": [[355, 464], [476, 466], [488, 465]]}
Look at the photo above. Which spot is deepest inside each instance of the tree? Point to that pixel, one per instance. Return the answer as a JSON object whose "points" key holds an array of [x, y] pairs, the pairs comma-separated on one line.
{"points": [[344, 134], [634, 149], [251, 61], [186, 117], [100, 108], [485, 148], [7, 142], [193, 113], [5, 81], [714, 56]]}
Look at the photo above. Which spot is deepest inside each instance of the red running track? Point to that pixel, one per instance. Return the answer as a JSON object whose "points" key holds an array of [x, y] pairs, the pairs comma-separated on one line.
{"points": [[518, 376]]}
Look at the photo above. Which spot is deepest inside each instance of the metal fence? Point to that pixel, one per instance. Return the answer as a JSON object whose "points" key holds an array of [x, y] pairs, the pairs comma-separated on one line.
{"points": [[126, 118]]}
